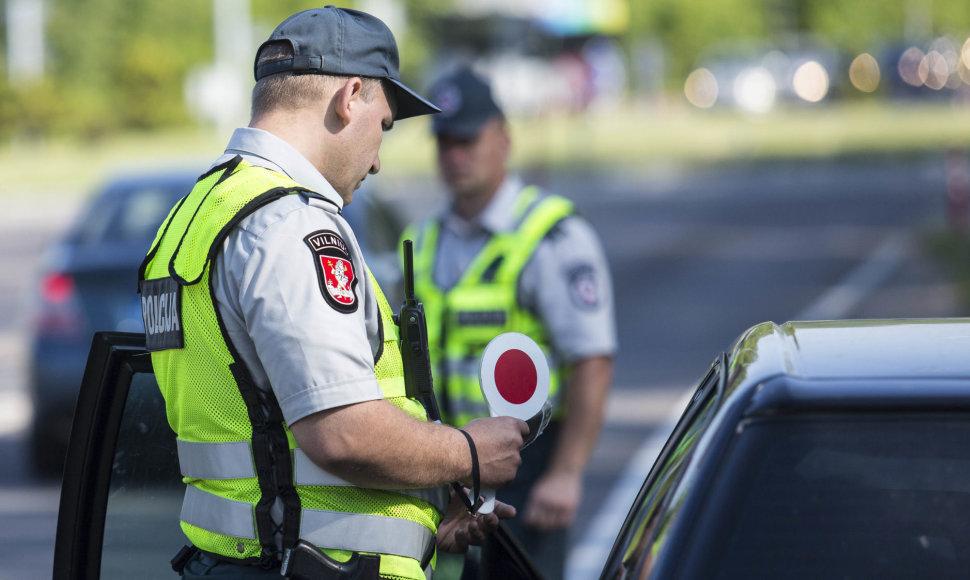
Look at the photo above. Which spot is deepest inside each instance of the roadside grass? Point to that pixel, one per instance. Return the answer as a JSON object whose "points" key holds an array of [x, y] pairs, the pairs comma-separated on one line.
{"points": [[631, 135]]}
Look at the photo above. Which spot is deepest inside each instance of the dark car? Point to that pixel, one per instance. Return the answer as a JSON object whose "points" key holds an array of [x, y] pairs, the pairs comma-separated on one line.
{"points": [[815, 450], [89, 278], [88, 282]]}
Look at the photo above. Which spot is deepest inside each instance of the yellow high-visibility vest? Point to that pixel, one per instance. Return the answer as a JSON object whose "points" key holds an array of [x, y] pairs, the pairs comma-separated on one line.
{"points": [[237, 455]]}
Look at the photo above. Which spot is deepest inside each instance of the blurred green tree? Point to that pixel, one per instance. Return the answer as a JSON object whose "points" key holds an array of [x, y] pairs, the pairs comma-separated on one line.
{"points": [[687, 27], [115, 66], [120, 65]]}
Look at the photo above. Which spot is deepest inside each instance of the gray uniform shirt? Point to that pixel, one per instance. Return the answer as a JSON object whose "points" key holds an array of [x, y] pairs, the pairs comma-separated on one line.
{"points": [[566, 283], [269, 291]]}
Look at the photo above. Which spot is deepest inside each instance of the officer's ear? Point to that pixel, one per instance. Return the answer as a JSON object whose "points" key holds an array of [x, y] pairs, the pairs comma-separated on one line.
{"points": [[346, 97]]}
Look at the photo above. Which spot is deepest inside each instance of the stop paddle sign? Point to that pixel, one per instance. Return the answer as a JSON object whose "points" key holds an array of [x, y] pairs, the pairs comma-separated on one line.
{"points": [[514, 378]]}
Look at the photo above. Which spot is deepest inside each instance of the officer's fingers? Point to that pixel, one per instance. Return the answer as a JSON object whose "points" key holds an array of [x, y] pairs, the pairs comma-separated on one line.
{"points": [[533, 513], [538, 519], [504, 511], [460, 543], [486, 524], [476, 532], [546, 518], [539, 513]]}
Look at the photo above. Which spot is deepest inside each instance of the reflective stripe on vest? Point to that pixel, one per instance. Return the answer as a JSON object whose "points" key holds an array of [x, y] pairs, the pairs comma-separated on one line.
{"points": [[336, 530], [483, 303], [234, 461]]}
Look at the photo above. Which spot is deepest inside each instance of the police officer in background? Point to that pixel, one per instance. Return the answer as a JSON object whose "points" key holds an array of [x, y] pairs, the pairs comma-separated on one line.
{"points": [[504, 256], [279, 359]]}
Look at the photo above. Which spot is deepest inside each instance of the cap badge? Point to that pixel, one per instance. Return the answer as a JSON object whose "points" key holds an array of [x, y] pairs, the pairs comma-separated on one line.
{"points": [[448, 100]]}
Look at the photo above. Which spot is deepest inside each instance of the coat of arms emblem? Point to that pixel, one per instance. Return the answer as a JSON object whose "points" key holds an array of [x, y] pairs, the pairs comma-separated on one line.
{"points": [[335, 269]]}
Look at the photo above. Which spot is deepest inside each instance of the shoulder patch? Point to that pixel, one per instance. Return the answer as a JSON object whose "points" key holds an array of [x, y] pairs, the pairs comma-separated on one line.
{"points": [[583, 287], [335, 269]]}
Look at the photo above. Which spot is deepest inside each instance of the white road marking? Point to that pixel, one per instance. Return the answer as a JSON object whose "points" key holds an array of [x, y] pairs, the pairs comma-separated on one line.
{"points": [[840, 299]]}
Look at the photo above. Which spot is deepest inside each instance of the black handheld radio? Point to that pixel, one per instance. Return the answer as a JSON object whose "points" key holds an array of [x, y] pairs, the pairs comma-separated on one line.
{"points": [[414, 342]]}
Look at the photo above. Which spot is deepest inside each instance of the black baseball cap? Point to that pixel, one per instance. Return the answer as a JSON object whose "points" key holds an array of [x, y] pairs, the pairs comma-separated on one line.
{"points": [[466, 104], [342, 41]]}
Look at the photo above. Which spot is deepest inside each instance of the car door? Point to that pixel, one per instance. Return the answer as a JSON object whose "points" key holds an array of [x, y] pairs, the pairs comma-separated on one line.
{"points": [[122, 493]]}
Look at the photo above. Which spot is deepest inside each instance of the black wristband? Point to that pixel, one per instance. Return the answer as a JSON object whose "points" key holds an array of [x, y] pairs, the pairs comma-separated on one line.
{"points": [[473, 504]]}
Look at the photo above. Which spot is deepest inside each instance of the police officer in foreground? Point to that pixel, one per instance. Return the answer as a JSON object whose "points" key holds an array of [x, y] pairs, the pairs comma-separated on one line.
{"points": [[504, 256], [278, 354]]}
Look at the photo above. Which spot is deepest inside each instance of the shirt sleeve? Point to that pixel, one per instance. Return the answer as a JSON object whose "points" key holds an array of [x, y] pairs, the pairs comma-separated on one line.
{"points": [[577, 309], [315, 353]]}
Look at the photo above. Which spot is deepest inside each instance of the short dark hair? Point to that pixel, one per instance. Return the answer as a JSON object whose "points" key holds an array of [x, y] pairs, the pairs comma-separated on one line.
{"points": [[290, 90]]}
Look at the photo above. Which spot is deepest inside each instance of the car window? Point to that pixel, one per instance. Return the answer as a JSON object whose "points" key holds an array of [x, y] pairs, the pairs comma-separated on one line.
{"points": [[642, 534], [847, 496], [141, 524], [121, 492]]}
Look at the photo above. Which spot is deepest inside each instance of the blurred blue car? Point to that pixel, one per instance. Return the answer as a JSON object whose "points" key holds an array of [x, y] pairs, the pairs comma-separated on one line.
{"points": [[88, 283]]}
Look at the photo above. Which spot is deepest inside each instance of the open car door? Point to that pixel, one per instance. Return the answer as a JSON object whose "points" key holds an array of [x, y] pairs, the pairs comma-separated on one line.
{"points": [[122, 493]]}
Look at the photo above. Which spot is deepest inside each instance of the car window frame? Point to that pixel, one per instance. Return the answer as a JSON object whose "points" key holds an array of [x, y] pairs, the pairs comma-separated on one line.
{"points": [[114, 360], [668, 469]]}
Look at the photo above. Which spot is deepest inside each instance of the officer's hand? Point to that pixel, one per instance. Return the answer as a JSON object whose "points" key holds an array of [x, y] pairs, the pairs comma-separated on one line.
{"points": [[553, 501], [498, 441], [458, 529]]}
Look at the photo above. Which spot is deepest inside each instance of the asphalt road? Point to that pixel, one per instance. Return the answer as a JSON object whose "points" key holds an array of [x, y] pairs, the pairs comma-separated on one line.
{"points": [[698, 256]]}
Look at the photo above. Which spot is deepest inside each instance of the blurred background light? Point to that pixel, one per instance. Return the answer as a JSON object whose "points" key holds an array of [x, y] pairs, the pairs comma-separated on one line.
{"points": [[755, 90], [963, 68], [934, 71], [864, 73], [946, 63], [701, 88], [909, 66], [811, 81]]}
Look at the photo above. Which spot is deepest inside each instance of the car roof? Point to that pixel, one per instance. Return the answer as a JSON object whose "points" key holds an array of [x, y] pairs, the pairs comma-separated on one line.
{"points": [[852, 363]]}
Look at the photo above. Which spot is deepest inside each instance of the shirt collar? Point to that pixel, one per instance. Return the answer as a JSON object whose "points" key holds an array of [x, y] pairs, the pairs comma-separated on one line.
{"points": [[497, 215], [265, 149]]}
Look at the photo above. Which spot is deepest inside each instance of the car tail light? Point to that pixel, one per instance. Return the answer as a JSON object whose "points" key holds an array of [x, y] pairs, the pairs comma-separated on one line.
{"points": [[60, 313], [58, 288]]}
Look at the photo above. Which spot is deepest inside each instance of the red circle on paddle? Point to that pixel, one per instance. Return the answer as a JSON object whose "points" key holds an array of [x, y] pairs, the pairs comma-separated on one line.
{"points": [[515, 376]]}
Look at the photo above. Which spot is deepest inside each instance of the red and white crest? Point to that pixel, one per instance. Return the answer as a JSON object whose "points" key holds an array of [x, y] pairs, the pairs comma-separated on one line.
{"points": [[335, 269], [339, 279]]}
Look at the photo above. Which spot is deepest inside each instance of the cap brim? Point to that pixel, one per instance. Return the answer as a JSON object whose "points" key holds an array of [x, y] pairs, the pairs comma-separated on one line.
{"points": [[410, 103]]}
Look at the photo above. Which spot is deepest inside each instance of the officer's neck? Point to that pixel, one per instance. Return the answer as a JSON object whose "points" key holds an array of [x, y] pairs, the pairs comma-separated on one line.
{"points": [[470, 207], [292, 128]]}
